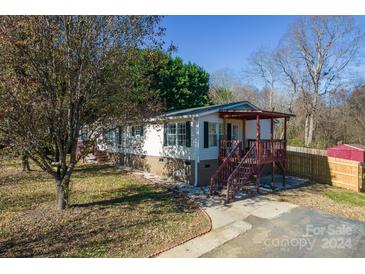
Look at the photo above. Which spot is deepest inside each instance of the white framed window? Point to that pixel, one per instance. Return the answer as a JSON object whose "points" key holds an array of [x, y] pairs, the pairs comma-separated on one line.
{"points": [[181, 134], [220, 131], [109, 138], [171, 134], [234, 132], [177, 134], [137, 131], [84, 134], [212, 134]]}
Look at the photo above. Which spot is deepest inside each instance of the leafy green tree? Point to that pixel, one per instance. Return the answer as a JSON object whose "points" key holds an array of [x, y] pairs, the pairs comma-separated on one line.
{"points": [[61, 74], [182, 85]]}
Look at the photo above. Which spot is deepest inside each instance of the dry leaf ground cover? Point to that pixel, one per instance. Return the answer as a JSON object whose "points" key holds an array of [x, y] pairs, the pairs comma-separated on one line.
{"points": [[327, 198], [113, 214]]}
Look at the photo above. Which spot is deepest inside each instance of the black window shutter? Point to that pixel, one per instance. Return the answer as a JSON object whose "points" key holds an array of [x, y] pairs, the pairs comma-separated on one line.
{"points": [[206, 137], [132, 131], [142, 130], [229, 132], [188, 134], [120, 135], [165, 134]]}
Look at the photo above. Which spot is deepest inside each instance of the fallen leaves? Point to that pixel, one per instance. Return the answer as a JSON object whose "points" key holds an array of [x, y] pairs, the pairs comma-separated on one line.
{"points": [[113, 214]]}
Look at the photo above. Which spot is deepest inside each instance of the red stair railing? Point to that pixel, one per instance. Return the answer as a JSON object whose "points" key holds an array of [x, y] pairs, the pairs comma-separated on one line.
{"points": [[225, 169], [240, 176]]}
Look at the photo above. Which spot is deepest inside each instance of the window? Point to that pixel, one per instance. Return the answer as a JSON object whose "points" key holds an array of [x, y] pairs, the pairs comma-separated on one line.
{"points": [[119, 137], [171, 134], [220, 131], [109, 138], [84, 134], [137, 131], [181, 134], [212, 134], [234, 132], [177, 134]]}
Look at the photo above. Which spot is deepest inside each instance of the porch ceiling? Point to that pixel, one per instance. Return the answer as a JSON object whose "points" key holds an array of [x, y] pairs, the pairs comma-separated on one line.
{"points": [[252, 114]]}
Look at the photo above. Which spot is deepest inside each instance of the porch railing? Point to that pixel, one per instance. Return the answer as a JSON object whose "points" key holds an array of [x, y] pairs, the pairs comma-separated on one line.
{"points": [[226, 147], [269, 150]]}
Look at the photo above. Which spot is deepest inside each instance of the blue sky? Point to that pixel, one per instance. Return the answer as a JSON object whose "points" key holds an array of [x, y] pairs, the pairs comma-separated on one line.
{"points": [[220, 42]]}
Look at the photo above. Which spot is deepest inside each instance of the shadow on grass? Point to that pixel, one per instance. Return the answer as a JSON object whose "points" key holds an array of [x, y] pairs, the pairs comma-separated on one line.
{"points": [[138, 194], [85, 227], [115, 220], [85, 171], [25, 201], [21, 178], [63, 236]]}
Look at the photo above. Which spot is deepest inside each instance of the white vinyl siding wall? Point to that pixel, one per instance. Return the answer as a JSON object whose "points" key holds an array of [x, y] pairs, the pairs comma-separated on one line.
{"points": [[151, 143], [251, 129], [211, 152]]}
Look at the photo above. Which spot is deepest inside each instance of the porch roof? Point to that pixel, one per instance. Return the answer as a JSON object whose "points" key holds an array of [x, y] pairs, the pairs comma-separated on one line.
{"points": [[252, 114]]}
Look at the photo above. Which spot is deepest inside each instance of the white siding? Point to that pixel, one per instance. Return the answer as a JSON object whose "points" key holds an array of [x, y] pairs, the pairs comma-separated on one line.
{"points": [[151, 144], [212, 152], [264, 129], [250, 133]]}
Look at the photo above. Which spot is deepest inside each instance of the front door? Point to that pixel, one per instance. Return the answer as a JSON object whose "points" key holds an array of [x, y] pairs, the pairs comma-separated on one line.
{"points": [[229, 131]]}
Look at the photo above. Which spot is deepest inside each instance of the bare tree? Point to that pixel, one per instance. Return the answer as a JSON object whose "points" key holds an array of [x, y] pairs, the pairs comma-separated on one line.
{"points": [[263, 69], [355, 105], [224, 79], [313, 58], [226, 87], [220, 95]]}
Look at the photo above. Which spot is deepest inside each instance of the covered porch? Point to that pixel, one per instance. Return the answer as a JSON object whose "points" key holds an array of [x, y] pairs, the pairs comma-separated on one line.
{"points": [[243, 158], [267, 149]]}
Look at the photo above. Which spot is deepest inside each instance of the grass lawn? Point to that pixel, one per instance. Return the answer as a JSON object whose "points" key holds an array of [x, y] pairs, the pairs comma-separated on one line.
{"points": [[113, 214], [346, 197], [327, 198]]}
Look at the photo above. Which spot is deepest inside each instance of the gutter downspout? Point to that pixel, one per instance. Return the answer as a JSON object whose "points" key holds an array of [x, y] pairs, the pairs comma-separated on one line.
{"points": [[196, 147]]}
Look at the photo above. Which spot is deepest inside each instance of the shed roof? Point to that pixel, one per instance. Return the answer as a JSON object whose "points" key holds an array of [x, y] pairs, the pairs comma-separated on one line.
{"points": [[357, 146]]}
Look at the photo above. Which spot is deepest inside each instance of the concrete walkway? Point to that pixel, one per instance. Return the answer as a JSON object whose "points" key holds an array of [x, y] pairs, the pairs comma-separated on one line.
{"points": [[228, 222]]}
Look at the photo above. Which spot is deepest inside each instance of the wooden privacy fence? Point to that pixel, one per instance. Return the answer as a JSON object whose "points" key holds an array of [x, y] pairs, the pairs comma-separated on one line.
{"points": [[314, 164]]}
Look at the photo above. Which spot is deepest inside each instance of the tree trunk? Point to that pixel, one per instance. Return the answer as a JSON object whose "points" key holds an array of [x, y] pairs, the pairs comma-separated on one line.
{"points": [[306, 129], [311, 129], [25, 162], [62, 189]]}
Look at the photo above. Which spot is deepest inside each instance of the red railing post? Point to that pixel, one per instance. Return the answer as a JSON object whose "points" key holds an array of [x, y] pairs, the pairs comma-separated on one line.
{"points": [[258, 136]]}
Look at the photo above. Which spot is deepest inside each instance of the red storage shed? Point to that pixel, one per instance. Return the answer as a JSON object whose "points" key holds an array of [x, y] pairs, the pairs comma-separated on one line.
{"points": [[352, 152]]}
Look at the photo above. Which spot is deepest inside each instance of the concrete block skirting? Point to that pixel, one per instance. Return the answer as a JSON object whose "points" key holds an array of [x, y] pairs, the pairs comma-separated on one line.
{"points": [[206, 169], [178, 169]]}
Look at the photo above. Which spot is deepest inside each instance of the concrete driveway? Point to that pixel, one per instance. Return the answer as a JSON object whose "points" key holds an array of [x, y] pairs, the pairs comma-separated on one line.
{"points": [[261, 227], [299, 233], [265, 227]]}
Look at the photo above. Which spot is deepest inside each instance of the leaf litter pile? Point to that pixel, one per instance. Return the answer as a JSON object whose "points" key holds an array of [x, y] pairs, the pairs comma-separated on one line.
{"points": [[112, 214]]}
